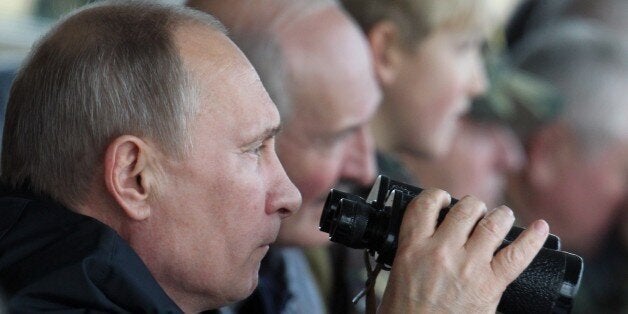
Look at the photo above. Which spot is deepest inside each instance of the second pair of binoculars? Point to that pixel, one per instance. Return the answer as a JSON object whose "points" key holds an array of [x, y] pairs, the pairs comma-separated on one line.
{"points": [[547, 285]]}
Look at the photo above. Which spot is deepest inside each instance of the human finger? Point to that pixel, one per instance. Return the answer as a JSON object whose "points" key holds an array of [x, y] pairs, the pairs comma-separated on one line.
{"points": [[419, 220], [459, 222], [490, 232], [510, 261]]}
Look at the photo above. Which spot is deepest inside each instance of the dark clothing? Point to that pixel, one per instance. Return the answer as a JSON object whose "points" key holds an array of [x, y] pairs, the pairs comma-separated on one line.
{"points": [[286, 285], [52, 259], [604, 287], [271, 294]]}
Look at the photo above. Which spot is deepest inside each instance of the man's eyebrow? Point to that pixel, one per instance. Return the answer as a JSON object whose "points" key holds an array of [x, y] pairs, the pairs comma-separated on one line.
{"points": [[351, 129], [344, 132], [267, 134]]}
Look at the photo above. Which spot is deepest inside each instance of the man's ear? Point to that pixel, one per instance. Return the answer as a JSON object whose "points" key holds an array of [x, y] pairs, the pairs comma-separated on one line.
{"points": [[384, 39], [549, 150], [129, 175]]}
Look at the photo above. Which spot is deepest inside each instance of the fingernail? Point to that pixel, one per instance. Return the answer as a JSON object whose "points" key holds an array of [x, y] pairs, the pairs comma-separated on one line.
{"points": [[506, 210], [541, 227]]}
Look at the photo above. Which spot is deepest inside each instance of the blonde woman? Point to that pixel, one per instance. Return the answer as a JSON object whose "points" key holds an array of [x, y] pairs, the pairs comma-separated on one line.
{"points": [[427, 58]]}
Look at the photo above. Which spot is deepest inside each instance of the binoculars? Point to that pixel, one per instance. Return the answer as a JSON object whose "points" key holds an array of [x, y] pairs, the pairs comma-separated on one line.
{"points": [[547, 285]]}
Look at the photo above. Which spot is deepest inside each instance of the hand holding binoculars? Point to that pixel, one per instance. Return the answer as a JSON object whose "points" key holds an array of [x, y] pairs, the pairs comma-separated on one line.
{"points": [[547, 285]]}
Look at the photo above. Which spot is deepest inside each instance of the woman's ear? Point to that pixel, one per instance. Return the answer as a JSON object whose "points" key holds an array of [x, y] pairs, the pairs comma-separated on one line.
{"points": [[384, 39], [129, 175]]}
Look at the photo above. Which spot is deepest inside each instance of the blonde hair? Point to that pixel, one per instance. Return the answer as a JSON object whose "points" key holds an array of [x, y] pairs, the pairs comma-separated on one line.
{"points": [[417, 19]]}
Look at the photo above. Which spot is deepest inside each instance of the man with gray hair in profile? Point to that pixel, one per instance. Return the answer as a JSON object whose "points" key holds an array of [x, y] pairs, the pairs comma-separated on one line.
{"points": [[577, 163], [138, 167], [315, 63]]}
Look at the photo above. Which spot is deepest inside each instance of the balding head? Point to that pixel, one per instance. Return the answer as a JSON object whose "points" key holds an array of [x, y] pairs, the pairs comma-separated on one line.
{"points": [[259, 28], [270, 15]]}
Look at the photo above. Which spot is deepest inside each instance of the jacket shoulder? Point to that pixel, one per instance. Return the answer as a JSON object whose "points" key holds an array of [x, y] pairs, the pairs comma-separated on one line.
{"points": [[55, 259]]}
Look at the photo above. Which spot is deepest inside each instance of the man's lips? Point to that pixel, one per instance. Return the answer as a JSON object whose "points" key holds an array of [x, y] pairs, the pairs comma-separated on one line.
{"points": [[271, 237]]}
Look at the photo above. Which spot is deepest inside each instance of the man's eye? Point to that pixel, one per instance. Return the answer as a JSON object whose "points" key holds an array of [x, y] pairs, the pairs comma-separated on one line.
{"points": [[257, 150]]}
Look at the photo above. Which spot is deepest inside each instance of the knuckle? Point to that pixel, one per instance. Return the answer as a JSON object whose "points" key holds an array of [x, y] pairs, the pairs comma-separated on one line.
{"points": [[512, 264], [425, 202], [440, 255], [429, 198], [468, 272], [491, 227], [515, 256], [436, 194], [497, 222], [469, 208], [533, 242], [437, 256]]}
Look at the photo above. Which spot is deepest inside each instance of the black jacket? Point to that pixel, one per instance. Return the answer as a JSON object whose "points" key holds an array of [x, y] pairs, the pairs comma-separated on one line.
{"points": [[52, 259]]}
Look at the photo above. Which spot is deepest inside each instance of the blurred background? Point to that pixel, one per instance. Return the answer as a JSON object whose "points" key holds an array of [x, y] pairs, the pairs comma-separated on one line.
{"points": [[22, 22]]}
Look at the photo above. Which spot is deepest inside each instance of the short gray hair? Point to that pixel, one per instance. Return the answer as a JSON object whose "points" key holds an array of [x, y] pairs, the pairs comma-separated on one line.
{"points": [[254, 26], [107, 70], [589, 67]]}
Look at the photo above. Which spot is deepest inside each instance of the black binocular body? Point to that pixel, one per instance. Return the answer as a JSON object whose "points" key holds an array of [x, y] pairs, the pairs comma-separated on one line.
{"points": [[547, 285]]}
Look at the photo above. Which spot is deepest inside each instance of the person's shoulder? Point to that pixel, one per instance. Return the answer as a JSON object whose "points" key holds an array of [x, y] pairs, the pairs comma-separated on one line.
{"points": [[34, 226], [55, 259]]}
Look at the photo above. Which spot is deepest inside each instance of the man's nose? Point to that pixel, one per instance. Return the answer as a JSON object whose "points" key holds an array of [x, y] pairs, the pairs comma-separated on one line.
{"points": [[509, 152], [284, 197], [359, 160]]}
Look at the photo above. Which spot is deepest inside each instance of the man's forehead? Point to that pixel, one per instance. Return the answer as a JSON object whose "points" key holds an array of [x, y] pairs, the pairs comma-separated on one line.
{"points": [[229, 89], [331, 91], [215, 65], [337, 104], [323, 117], [204, 49]]}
